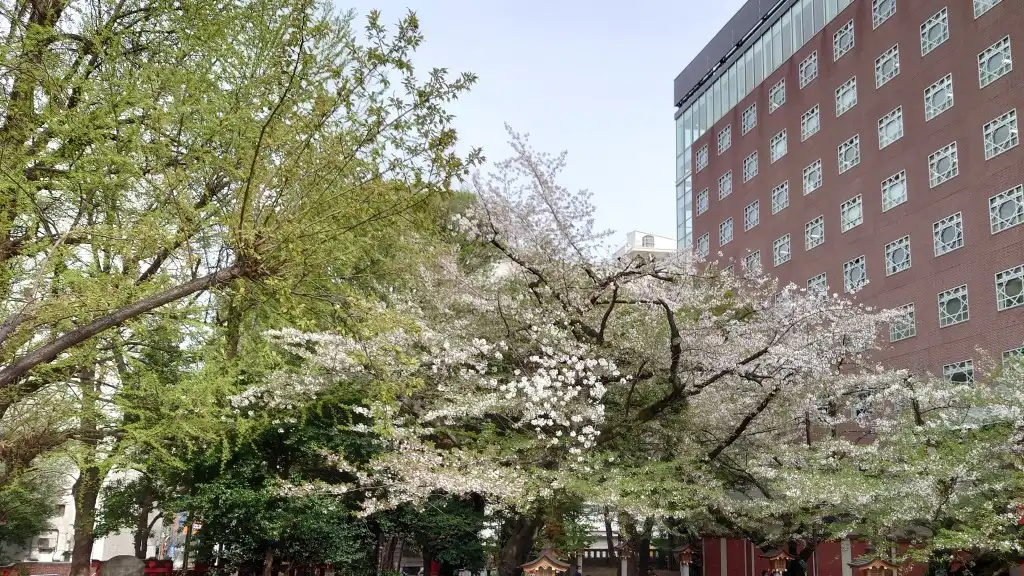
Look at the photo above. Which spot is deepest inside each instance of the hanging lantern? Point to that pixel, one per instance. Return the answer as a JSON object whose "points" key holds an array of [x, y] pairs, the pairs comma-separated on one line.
{"points": [[778, 560]]}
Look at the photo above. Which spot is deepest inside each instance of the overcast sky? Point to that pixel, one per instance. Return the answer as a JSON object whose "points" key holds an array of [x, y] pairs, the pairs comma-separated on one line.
{"points": [[590, 77]]}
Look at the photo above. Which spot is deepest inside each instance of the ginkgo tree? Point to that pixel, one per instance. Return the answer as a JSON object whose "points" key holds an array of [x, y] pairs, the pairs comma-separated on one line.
{"points": [[671, 388]]}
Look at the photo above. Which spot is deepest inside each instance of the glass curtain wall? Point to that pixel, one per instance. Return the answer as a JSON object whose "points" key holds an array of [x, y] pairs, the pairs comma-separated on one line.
{"points": [[774, 46]]}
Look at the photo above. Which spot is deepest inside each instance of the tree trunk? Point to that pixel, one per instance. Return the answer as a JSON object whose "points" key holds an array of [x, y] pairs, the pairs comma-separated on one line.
{"points": [[143, 527], [86, 491], [518, 545], [609, 535], [268, 562]]}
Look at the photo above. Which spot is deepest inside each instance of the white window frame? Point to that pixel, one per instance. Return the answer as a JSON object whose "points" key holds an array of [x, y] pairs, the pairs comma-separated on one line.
{"points": [[778, 146], [724, 138], [702, 158], [752, 262], [748, 120], [983, 6], [846, 223], [840, 51], [964, 315], [931, 110], [894, 190], [881, 76], [813, 177], [965, 367], [941, 20], [778, 88], [993, 148], [752, 215], [808, 70], [1002, 47], [941, 246], [894, 117], [998, 222], [702, 201], [849, 286], [1010, 355], [818, 283], [904, 327], [750, 166], [812, 240], [780, 197], [935, 178], [725, 184], [879, 13], [848, 87], [1006, 301], [807, 129], [725, 231], [891, 266], [782, 250], [703, 245], [851, 144]]}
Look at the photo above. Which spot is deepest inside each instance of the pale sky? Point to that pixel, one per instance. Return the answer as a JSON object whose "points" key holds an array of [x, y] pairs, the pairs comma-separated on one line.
{"points": [[593, 78]]}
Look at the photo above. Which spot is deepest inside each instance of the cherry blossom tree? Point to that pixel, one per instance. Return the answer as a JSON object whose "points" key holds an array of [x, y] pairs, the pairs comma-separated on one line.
{"points": [[678, 388]]}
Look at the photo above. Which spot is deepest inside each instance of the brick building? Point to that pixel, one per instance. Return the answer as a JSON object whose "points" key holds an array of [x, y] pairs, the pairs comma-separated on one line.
{"points": [[838, 142]]}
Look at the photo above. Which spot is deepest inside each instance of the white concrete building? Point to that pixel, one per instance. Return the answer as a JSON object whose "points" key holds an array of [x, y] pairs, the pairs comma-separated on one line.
{"points": [[646, 244]]}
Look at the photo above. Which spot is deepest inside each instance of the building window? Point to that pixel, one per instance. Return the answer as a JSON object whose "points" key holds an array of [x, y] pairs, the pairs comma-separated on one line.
{"points": [[725, 232], [778, 146], [851, 214], [727, 271], [846, 96], [938, 97], [894, 190], [780, 197], [702, 201], [750, 166], [1000, 134], [777, 96], [953, 307], [995, 62], [749, 118], [780, 250], [881, 10], [959, 372], [752, 262], [1010, 288], [809, 69], [725, 185], [934, 31], [982, 6], [887, 66], [855, 274], [812, 177], [849, 153], [818, 284], [724, 139], [810, 123], [1013, 356], [814, 233], [942, 165], [702, 157], [842, 41], [703, 245], [890, 128], [751, 215], [1006, 209], [647, 241], [897, 256], [905, 326], [948, 234]]}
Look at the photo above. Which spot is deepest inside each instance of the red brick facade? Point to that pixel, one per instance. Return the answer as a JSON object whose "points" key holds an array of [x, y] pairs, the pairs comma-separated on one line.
{"points": [[983, 254]]}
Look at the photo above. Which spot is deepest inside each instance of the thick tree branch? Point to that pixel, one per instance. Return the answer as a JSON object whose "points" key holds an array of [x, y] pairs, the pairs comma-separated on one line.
{"points": [[744, 424]]}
